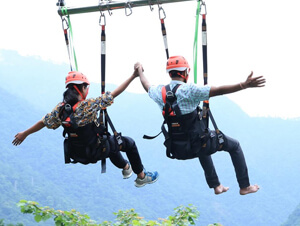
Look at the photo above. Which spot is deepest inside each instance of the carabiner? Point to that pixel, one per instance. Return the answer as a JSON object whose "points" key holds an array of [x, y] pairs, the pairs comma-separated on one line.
{"points": [[160, 12], [63, 19], [102, 23], [128, 5], [204, 8]]}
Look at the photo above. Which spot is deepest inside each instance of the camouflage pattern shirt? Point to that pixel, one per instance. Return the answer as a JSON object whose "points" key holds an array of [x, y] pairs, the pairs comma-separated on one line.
{"points": [[85, 112]]}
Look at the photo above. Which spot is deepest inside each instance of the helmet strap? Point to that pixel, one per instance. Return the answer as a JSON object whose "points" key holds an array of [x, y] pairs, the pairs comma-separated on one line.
{"points": [[183, 76], [75, 87]]}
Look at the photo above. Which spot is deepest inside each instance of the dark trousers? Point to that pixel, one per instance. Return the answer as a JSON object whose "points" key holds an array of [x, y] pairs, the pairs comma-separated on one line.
{"points": [[231, 146], [131, 151]]}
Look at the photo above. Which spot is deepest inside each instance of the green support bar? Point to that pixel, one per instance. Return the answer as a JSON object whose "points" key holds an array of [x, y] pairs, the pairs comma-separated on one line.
{"points": [[108, 6]]}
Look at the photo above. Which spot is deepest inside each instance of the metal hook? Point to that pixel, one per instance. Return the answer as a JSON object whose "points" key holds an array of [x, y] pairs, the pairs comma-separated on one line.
{"points": [[108, 9], [107, 6], [128, 6], [151, 7], [161, 12], [203, 6]]}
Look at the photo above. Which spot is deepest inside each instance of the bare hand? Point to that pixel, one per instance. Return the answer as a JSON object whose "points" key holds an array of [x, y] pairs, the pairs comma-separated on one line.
{"points": [[137, 66], [254, 81], [19, 138]]}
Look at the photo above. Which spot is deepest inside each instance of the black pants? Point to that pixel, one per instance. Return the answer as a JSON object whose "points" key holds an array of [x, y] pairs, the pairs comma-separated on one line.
{"points": [[131, 151], [231, 146]]}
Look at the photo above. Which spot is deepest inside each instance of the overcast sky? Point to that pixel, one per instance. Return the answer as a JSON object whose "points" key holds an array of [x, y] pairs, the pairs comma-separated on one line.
{"points": [[262, 36]]}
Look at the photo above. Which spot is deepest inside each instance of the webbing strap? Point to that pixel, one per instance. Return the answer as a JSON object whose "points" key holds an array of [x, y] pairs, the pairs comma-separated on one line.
{"points": [[204, 48], [162, 17], [204, 57], [103, 66], [206, 111], [69, 39], [164, 33], [104, 117], [103, 58]]}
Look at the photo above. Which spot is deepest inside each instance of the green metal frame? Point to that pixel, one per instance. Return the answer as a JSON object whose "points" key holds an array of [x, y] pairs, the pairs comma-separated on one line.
{"points": [[108, 6]]}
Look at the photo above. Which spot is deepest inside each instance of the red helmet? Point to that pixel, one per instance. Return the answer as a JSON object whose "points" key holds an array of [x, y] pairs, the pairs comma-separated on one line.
{"points": [[178, 63], [75, 77]]}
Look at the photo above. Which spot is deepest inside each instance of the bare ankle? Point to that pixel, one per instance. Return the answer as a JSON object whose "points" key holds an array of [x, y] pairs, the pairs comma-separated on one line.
{"points": [[126, 167], [141, 175]]}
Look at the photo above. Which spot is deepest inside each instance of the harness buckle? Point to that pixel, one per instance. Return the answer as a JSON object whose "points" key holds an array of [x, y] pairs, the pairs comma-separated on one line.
{"points": [[170, 94], [220, 138], [68, 108], [119, 139], [96, 123]]}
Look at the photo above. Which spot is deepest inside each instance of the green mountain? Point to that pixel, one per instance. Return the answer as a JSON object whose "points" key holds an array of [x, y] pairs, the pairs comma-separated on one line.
{"points": [[36, 171]]}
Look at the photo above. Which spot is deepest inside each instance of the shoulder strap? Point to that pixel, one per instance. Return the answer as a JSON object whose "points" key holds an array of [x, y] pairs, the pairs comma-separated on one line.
{"points": [[170, 101], [166, 95]]}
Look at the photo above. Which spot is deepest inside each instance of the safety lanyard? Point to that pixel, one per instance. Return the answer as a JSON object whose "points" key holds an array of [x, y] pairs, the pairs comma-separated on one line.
{"points": [[103, 112], [68, 34], [206, 111], [204, 58], [162, 17], [102, 23]]}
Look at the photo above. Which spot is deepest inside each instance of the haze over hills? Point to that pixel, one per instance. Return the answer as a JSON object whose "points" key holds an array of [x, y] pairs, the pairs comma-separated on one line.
{"points": [[36, 171]]}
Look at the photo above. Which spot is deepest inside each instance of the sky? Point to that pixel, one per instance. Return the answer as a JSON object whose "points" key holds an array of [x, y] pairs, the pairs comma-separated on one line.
{"points": [[243, 36]]}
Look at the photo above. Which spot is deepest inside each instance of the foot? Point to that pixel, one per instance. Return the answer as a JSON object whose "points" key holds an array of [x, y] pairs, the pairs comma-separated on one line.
{"points": [[220, 189], [249, 189], [127, 172], [148, 179]]}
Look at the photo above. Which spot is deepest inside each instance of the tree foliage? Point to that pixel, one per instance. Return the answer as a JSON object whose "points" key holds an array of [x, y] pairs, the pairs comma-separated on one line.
{"points": [[182, 216]]}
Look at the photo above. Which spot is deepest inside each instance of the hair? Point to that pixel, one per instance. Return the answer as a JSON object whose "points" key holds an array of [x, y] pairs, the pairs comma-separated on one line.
{"points": [[175, 74], [70, 96]]}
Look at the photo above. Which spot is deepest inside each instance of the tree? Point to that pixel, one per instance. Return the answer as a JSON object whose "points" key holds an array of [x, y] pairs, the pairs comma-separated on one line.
{"points": [[2, 223], [182, 216]]}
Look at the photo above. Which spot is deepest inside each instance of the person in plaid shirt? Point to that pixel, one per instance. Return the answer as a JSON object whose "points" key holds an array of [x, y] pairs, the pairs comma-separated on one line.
{"points": [[195, 140]]}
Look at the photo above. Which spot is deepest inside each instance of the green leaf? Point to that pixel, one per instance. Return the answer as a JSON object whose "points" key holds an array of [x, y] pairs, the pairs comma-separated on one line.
{"points": [[37, 218]]}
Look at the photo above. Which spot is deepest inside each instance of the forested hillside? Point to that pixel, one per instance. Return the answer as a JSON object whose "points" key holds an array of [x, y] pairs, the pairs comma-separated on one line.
{"points": [[294, 218], [36, 170]]}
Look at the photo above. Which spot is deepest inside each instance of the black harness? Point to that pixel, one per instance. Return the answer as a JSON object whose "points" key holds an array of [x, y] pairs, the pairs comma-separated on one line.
{"points": [[86, 144], [185, 135]]}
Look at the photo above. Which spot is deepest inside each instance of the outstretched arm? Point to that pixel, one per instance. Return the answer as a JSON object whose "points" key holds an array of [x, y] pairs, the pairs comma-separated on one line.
{"points": [[143, 78], [125, 84], [21, 136], [249, 83]]}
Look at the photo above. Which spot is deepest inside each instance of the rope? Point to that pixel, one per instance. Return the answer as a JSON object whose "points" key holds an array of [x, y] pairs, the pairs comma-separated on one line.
{"points": [[195, 49]]}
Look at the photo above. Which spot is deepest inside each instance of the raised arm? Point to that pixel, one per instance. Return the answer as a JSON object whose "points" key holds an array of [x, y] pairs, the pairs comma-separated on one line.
{"points": [[21, 136], [144, 80], [125, 84], [250, 82]]}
